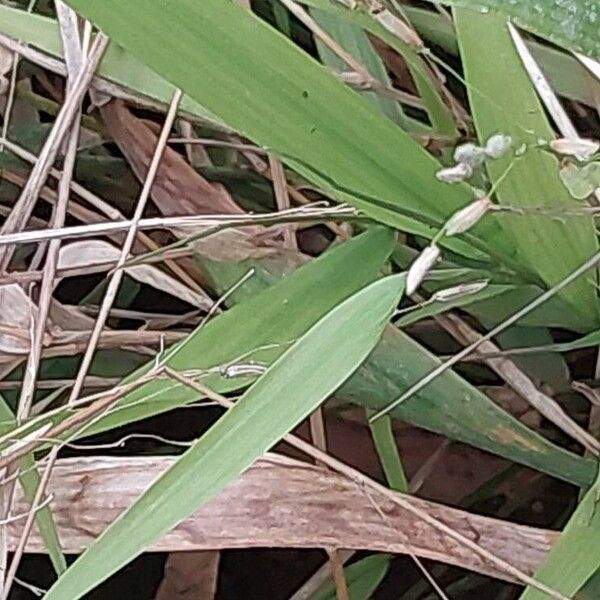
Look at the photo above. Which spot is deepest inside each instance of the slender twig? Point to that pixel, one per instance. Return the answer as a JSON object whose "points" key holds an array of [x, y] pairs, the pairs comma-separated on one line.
{"points": [[117, 275], [282, 198], [311, 586], [60, 210], [337, 570], [91, 381], [84, 214], [10, 99], [78, 62], [100, 83], [218, 144]]}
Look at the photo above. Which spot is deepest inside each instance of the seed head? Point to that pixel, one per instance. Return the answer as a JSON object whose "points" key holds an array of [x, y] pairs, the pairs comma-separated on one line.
{"points": [[497, 145], [469, 154], [458, 172], [462, 220]]}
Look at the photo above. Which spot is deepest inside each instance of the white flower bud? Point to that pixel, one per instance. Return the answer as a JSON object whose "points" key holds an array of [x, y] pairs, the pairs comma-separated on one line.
{"points": [[454, 174], [462, 220], [497, 145], [580, 148], [420, 267], [469, 154]]}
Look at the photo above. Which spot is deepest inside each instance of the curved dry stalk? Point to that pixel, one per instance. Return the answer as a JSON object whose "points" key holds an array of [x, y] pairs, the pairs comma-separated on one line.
{"points": [[264, 506]]}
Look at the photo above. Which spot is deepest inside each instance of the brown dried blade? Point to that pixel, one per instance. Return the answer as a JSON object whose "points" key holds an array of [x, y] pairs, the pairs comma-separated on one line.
{"points": [[178, 189]]}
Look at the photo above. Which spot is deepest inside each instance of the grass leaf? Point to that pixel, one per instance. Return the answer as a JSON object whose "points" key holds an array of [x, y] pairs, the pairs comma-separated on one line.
{"points": [[572, 23], [576, 555], [287, 393], [220, 54], [503, 101]]}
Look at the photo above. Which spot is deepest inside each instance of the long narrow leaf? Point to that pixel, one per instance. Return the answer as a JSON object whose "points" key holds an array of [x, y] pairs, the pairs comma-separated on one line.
{"points": [[288, 392], [239, 68], [503, 101], [576, 555], [569, 23]]}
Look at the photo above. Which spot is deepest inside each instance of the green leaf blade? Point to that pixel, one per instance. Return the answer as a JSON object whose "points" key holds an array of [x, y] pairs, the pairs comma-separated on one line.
{"points": [[287, 393], [572, 23], [503, 101]]}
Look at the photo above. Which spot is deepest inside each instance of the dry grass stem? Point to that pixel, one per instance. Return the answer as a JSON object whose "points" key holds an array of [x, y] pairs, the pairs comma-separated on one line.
{"points": [[117, 275], [305, 214], [24, 206]]}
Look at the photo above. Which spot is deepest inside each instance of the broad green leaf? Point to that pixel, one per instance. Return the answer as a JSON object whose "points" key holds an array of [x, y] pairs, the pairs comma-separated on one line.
{"points": [[29, 480], [117, 66], [451, 406], [261, 327], [363, 578], [297, 382], [575, 557], [569, 23], [567, 76], [219, 54], [503, 101]]}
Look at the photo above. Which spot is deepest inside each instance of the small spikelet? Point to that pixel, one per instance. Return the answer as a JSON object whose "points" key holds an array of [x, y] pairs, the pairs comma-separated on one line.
{"points": [[498, 145], [469, 154], [580, 148], [455, 174], [462, 220], [457, 291], [420, 267]]}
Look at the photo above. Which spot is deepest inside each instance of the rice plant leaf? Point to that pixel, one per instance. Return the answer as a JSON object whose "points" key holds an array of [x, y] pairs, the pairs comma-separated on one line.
{"points": [[567, 76], [117, 66], [575, 557], [385, 443], [503, 101], [238, 67], [569, 23], [591, 590], [297, 382], [263, 324]]}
